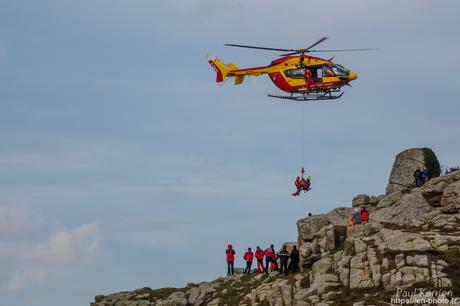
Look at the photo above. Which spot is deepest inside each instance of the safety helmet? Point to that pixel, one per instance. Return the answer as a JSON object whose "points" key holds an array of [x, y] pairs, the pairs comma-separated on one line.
{"points": [[309, 178]]}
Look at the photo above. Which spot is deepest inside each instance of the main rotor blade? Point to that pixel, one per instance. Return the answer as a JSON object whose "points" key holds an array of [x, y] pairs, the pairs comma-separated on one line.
{"points": [[340, 50], [292, 53], [316, 43], [260, 48]]}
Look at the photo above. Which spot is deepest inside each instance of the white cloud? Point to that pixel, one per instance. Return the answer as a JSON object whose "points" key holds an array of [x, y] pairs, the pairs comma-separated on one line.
{"points": [[67, 247], [20, 280], [15, 221], [28, 264]]}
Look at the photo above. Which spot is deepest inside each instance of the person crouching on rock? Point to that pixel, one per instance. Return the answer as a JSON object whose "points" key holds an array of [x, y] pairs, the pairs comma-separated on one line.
{"points": [[260, 259], [230, 259], [248, 256], [364, 215], [351, 222], [270, 257], [283, 255]]}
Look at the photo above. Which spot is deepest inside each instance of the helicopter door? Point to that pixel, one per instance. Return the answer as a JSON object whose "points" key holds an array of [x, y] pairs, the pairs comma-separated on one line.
{"points": [[316, 73], [319, 74]]}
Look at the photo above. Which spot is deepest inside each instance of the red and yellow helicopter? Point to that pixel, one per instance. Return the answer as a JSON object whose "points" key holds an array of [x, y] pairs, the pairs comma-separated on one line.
{"points": [[304, 77]]}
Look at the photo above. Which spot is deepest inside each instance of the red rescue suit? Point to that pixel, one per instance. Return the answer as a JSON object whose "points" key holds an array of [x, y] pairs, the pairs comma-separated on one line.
{"points": [[364, 215], [230, 254], [260, 257], [308, 80], [248, 256]]}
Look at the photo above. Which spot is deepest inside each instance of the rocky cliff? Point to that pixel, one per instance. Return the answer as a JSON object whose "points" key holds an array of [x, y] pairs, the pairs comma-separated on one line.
{"points": [[411, 242]]}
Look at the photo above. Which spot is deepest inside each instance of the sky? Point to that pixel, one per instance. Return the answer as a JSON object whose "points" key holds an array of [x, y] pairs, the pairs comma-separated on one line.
{"points": [[124, 165]]}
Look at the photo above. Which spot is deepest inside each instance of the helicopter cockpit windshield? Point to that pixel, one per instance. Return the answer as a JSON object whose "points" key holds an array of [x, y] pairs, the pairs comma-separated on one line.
{"points": [[339, 70]]}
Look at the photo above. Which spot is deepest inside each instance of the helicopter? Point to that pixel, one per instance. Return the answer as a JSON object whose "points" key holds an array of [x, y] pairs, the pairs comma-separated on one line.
{"points": [[303, 77]]}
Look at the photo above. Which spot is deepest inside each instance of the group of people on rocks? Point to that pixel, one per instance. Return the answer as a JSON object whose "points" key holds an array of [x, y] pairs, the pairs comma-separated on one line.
{"points": [[271, 260], [420, 176], [359, 216]]}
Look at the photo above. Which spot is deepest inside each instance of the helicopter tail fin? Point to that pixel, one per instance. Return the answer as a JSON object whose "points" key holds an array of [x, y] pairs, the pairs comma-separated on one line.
{"points": [[238, 78], [220, 68], [225, 70]]}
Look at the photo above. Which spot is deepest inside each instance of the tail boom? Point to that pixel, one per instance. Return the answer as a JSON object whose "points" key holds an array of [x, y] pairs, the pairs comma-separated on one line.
{"points": [[224, 71]]}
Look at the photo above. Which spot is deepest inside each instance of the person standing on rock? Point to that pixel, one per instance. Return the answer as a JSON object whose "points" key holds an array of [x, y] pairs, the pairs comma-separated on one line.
{"points": [[248, 256], [260, 259], [418, 177], [270, 257], [283, 255], [424, 175], [230, 259], [364, 215], [357, 216], [294, 259]]}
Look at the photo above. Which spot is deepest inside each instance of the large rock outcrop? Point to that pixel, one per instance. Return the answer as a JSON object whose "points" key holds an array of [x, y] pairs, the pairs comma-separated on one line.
{"points": [[406, 162], [403, 211], [412, 240], [307, 227]]}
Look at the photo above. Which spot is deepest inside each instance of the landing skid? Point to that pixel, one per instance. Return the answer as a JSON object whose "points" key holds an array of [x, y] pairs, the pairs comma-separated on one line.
{"points": [[309, 97]]}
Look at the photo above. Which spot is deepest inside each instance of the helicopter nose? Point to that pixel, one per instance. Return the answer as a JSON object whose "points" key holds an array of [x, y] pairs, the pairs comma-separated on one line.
{"points": [[352, 76]]}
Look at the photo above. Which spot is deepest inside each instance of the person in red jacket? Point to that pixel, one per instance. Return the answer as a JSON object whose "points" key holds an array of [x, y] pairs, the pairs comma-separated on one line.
{"points": [[230, 259], [308, 80], [364, 215], [260, 259], [248, 256], [302, 184], [298, 185], [270, 257]]}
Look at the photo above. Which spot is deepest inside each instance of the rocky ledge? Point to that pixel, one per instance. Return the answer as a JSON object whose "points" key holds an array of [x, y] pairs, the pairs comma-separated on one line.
{"points": [[411, 241]]}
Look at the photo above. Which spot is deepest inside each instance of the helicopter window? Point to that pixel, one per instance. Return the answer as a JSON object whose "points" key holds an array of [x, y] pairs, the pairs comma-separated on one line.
{"points": [[319, 73], [327, 71], [339, 70], [298, 73]]}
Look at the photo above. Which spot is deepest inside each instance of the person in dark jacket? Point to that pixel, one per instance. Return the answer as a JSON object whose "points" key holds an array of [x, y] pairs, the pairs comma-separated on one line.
{"points": [[248, 256], [270, 257], [283, 255], [357, 216], [418, 177], [230, 259], [260, 259], [424, 175], [364, 215], [294, 259]]}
